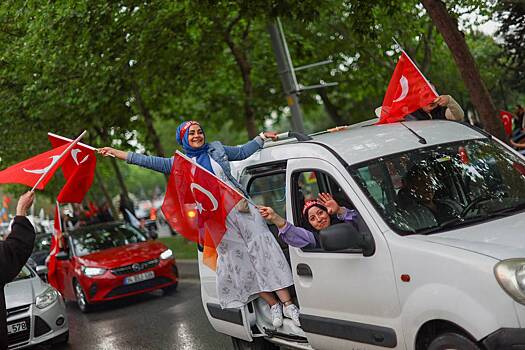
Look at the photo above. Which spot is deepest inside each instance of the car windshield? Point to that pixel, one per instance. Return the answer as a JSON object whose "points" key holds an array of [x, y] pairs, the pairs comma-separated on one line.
{"points": [[91, 241], [24, 274], [438, 188]]}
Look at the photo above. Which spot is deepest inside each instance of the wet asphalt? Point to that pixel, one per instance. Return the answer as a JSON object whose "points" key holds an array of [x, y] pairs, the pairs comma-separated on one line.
{"points": [[149, 321]]}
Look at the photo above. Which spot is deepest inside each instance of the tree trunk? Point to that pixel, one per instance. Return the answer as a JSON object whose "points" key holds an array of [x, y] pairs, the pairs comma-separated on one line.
{"points": [[455, 40], [148, 119], [106, 194], [244, 65], [427, 46], [330, 108]]}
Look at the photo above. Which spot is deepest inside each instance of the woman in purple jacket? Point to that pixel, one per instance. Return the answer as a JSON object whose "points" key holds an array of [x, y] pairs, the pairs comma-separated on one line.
{"points": [[318, 214]]}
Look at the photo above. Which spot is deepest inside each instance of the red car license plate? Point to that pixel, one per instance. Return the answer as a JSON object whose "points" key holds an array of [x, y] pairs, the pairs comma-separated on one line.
{"points": [[139, 278]]}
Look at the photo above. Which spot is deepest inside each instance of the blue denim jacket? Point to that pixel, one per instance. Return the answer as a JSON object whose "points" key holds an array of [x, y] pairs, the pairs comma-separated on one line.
{"points": [[217, 151]]}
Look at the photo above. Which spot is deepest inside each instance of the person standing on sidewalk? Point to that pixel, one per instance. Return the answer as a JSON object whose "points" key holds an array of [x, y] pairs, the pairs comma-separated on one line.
{"points": [[14, 252]]}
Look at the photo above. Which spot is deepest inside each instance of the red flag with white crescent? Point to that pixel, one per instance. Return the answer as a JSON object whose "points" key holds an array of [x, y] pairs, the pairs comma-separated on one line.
{"points": [[31, 170], [52, 277], [407, 91], [197, 203], [78, 169], [506, 119]]}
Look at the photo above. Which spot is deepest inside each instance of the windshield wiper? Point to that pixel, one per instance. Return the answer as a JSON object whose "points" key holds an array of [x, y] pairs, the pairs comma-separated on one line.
{"points": [[456, 222], [509, 211]]}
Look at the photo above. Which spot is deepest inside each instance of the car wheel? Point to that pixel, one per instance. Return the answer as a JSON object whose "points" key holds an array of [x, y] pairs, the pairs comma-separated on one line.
{"points": [[256, 344], [61, 339], [452, 341], [82, 302], [170, 289]]}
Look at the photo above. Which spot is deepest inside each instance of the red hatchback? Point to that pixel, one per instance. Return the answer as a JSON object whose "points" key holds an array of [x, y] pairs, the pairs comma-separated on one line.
{"points": [[110, 261]]}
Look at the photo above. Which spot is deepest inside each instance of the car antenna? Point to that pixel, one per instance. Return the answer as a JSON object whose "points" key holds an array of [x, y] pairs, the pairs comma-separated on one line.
{"points": [[421, 138]]}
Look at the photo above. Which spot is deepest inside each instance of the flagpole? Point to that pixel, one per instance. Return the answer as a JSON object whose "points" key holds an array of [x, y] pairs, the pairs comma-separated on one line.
{"points": [[91, 148], [59, 216], [215, 176], [415, 65], [58, 159]]}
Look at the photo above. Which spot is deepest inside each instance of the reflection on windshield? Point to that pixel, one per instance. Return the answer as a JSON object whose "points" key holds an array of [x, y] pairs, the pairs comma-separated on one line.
{"points": [[441, 187], [23, 274], [105, 238]]}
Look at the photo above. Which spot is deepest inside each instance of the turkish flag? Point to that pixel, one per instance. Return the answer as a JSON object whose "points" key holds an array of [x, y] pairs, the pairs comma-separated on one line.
{"points": [[407, 91], [52, 277], [78, 169], [197, 203], [506, 119], [30, 170]]}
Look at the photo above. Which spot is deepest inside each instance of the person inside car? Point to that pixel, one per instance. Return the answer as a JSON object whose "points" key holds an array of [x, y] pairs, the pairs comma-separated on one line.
{"points": [[443, 107], [318, 215], [418, 198]]}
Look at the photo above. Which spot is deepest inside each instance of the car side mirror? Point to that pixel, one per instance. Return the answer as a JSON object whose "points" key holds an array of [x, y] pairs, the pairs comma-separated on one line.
{"points": [[63, 255], [344, 236], [41, 270]]}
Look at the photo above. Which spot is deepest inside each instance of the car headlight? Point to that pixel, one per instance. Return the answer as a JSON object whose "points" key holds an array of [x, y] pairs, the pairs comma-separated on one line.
{"points": [[48, 297], [167, 254], [93, 271], [511, 276]]}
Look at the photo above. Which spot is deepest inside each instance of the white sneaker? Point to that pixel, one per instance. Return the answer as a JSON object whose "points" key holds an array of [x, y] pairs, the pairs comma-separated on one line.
{"points": [[277, 315], [291, 311]]}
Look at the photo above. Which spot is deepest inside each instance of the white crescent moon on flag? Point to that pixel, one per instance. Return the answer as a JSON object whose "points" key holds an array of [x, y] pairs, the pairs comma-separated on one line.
{"points": [[403, 81], [74, 154], [54, 159], [208, 194]]}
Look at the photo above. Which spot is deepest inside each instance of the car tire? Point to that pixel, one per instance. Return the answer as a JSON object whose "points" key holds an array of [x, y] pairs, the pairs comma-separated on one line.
{"points": [[170, 289], [62, 339], [452, 341], [256, 344], [82, 302]]}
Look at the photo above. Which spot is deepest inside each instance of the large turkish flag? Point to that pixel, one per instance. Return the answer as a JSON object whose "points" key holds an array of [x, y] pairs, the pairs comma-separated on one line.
{"points": [[78, 168], [197, 203], [30, 170], [407, 91]]}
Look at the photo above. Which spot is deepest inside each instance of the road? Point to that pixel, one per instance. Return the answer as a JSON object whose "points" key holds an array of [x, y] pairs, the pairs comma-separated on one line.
{"points": [[150, 321]]}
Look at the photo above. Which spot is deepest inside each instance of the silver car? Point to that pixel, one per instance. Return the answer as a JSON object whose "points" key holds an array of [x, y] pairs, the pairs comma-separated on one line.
{"points": [[36, 312]]}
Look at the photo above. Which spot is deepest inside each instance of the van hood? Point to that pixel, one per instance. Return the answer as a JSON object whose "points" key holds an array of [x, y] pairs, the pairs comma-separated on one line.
{"points": [[501, 239]]}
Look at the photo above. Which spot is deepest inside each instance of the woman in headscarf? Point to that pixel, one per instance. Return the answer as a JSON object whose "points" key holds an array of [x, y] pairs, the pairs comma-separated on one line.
{"points": [[317, 215], [250, 261]]}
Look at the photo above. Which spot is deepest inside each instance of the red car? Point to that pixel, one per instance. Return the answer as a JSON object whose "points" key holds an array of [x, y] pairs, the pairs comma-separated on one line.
{"points": [[111, 261]]}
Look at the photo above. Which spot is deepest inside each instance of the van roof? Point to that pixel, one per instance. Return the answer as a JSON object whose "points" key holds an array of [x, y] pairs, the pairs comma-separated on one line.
{"points": [[360, 142]]}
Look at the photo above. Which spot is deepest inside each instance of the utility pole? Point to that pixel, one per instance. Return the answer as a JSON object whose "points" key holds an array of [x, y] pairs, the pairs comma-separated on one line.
{"points": [[287, 73]]}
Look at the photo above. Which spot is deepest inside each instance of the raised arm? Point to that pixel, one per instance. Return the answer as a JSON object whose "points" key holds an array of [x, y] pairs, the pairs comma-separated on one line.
{"points": [[17, 247], [244, 151], [160, 164], [292, 235]]}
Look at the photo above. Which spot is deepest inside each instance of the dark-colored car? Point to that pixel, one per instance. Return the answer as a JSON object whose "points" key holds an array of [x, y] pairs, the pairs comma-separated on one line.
{"points": [[110, 261]]}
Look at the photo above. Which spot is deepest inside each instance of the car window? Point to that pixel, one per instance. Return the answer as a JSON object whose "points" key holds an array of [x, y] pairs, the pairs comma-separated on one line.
{"points": [[24, 274], [269, 190], [436, 188], [42, 243], [307, 184], [91, 241]]}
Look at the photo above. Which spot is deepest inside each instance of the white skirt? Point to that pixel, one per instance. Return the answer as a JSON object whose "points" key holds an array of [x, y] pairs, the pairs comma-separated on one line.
{"points": [[249, 260]]}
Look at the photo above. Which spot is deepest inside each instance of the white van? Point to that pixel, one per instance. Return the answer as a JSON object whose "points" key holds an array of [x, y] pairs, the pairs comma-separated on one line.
{"points": [[436, 259]]}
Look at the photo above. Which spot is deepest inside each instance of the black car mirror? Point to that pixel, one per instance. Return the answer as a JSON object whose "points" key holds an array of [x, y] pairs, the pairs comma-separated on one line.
{"points": [[63, 255], [343, 236]]}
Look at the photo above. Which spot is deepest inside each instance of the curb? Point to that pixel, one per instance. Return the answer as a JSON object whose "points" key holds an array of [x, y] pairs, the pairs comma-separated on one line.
{"points": [[188, 268]]}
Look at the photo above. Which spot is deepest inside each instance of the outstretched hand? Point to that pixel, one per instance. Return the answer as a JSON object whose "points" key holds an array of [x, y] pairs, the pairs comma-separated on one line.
{"points": [[24, 203], [329, 202], [271, 135], [271, 216], [111, 152]]}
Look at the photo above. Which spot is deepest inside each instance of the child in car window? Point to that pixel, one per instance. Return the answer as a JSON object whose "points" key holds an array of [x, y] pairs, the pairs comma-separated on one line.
{"points": [[318, 215]]}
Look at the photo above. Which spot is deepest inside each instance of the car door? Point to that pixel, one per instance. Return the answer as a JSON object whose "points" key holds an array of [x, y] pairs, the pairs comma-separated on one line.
{"points": [[347, 300], [234, 322], [64, 273]]}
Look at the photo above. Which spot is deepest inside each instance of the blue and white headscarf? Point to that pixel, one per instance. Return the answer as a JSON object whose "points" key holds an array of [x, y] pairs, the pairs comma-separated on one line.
{"points": [[201, 153]]}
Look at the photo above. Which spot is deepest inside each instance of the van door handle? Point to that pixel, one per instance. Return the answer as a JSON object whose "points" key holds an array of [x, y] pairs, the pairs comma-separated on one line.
{"points": [[304, 270]]}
